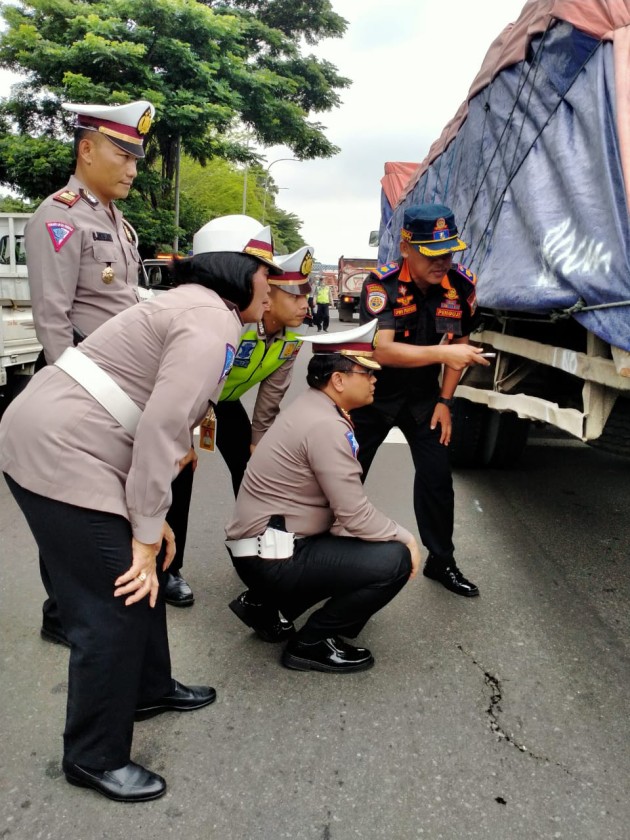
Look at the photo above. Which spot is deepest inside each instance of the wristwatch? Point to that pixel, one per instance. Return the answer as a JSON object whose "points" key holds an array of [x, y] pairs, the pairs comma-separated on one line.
{"points": [[448, 401]]}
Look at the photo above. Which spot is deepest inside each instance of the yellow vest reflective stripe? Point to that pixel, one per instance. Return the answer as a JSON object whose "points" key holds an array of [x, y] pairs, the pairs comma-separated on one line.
{"points": [[323, 295], [252, 363]]}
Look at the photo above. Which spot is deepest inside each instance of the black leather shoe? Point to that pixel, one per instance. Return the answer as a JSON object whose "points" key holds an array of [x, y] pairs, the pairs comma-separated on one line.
{"points": [[332, 655], [177, 592], [53, 633], [266, 622], [181, 698], [131, 783], [447, 573]]}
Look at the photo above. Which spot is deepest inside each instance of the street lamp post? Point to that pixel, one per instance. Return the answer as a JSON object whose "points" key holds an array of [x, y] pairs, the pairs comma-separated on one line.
{"points": [[267, 184]]}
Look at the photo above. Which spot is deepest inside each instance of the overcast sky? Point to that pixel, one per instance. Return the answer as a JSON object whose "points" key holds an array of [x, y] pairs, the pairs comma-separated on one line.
{"points": [[411, 63]]}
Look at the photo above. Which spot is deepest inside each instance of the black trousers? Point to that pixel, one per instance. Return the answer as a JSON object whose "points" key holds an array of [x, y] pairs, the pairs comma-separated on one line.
{"points": [[322, 318], [357, 577], [433, 498], [119, 655], [234, 437], [177, 518]]}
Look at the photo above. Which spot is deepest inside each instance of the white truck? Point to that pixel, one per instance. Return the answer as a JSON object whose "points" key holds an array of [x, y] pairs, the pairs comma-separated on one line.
{"points": [[19, 347]]}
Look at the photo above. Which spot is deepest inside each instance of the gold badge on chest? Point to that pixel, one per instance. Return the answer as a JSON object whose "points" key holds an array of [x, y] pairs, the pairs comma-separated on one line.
{"points": [[108, 275]]}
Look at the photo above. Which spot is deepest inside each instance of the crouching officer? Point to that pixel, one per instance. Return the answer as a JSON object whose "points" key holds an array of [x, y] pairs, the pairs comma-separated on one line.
{"points": [[265, 355], [426, 309], [303, 530]]}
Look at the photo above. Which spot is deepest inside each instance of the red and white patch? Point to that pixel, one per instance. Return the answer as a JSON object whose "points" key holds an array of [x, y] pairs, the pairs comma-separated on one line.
{"points": [[59, 233], [376, 302]]}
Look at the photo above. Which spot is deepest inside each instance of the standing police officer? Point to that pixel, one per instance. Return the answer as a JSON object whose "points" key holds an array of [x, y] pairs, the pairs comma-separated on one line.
{"points": [[322, 295], [83, 262], [426, 309], [265, 355]]}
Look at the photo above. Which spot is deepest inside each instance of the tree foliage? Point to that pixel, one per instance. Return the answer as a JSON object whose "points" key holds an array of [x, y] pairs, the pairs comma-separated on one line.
{"points": [[214, 70]]}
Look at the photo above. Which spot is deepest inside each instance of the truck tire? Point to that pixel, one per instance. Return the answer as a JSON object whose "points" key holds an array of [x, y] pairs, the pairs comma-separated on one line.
{"points": [[504, 440], [467, 438], [346, 313], [616, 435]]}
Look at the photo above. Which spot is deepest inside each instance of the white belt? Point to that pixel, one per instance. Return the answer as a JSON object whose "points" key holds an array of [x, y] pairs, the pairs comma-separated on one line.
{"points": [[101, 386], [272, 545]]}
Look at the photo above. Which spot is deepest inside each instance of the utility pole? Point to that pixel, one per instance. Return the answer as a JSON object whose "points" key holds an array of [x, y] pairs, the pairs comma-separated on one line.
{"points": [[177, 161]]}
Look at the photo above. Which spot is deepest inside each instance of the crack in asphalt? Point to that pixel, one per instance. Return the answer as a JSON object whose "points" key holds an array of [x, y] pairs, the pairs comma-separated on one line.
{"points": [[494, 710]]}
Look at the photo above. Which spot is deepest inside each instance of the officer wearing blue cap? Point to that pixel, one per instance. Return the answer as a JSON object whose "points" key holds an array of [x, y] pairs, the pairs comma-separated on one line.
{"points": [[426, 309]]}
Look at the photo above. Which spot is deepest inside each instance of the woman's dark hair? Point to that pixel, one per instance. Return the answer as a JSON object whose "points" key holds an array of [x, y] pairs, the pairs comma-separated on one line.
{"points": [[228, 274], [322, 366]]}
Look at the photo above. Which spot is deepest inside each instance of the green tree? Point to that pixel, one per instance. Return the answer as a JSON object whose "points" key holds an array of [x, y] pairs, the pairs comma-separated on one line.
{"points": [[211, 69]]}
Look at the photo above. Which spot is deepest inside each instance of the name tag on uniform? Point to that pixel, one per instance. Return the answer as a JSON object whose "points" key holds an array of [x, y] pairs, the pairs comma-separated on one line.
{"points": [[208, 431]]}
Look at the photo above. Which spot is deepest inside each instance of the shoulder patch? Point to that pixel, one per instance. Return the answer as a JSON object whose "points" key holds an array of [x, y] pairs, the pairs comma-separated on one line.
{"points": [[384, 271], [67, 197], [59, 233], [354, 446], [230, 353], [466, 273], [376, 298]]}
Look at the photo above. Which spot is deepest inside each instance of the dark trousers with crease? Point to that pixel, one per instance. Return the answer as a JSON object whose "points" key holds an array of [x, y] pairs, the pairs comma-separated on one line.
{"points": [[433, 498], [119, 655], [234, 437], [177, 518], [357, 577]]}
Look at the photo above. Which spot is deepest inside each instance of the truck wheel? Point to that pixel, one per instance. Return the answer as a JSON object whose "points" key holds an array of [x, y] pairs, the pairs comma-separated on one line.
{"points": [[345, 314], [469, 425], [616, 435], [504, 440]]}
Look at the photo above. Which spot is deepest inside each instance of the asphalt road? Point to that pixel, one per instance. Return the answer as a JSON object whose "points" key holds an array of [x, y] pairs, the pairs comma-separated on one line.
{"points": [[505, 716]]}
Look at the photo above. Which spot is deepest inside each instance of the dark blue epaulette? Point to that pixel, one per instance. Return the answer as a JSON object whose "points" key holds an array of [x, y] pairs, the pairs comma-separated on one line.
{"points": [[466, 273], [384, 271]]}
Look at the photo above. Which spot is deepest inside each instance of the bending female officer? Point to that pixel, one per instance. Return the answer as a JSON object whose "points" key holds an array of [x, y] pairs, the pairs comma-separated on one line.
{"points": [[94, 480]]}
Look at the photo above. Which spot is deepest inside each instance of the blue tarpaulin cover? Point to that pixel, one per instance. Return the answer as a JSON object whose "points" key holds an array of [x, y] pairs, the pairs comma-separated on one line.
{"points": [[534, 176]]}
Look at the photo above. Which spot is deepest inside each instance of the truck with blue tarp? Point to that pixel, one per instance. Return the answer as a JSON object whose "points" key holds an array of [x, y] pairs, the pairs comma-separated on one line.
{"points": [[536, 166]]}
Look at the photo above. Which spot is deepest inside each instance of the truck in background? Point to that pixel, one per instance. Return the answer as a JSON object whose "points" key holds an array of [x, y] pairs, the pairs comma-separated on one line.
{"points": [[19, 347], [536, 167], [351, 274]]}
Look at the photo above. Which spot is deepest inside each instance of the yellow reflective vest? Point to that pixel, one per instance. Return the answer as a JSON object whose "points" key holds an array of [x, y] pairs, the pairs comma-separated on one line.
{"points": [[254, 361]]}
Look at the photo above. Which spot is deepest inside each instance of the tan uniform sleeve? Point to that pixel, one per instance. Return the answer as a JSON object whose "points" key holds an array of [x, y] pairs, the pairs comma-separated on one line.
{"points": [[53, 276], [270, 393], [191, 367], [338, 473]]}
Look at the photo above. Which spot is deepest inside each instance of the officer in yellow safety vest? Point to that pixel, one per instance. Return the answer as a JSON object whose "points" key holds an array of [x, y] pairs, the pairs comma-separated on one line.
{"points": [[323, 299], [265, 355]]}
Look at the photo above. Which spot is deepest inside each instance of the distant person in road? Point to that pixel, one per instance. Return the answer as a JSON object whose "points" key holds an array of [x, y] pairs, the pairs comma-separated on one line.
{"points": [[322, 295], [303, 530], [426, 309], [94, 484], [265, 357]]}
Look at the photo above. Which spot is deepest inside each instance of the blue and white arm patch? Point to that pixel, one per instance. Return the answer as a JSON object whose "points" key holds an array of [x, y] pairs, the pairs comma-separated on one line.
{"points": [[230, 353], [354, 446]]}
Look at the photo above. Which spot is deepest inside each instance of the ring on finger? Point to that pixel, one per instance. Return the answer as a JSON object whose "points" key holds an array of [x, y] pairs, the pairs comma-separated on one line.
{"points": [[142, 577]]}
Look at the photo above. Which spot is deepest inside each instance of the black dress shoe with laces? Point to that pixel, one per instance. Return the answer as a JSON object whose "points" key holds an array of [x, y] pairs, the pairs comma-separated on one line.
{"points": [[332, 655], [131, 783], [266, 622], [181, 698], [52, 632], [447, 573], [176, 591]]}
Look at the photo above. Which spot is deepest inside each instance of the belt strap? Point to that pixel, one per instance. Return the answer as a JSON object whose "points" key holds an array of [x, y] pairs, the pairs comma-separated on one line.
{"points": [[102, 387]]}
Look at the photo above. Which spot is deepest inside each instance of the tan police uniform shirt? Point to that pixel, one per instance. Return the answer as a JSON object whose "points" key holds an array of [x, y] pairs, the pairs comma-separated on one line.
{"points": [[171, 356], [82, 266], [305, 468], [271, 391]]}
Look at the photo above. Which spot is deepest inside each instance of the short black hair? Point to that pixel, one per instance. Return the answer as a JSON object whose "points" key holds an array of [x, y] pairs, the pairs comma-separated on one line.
{"points": [[230, 275], [81, 134], [322, 366]]}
